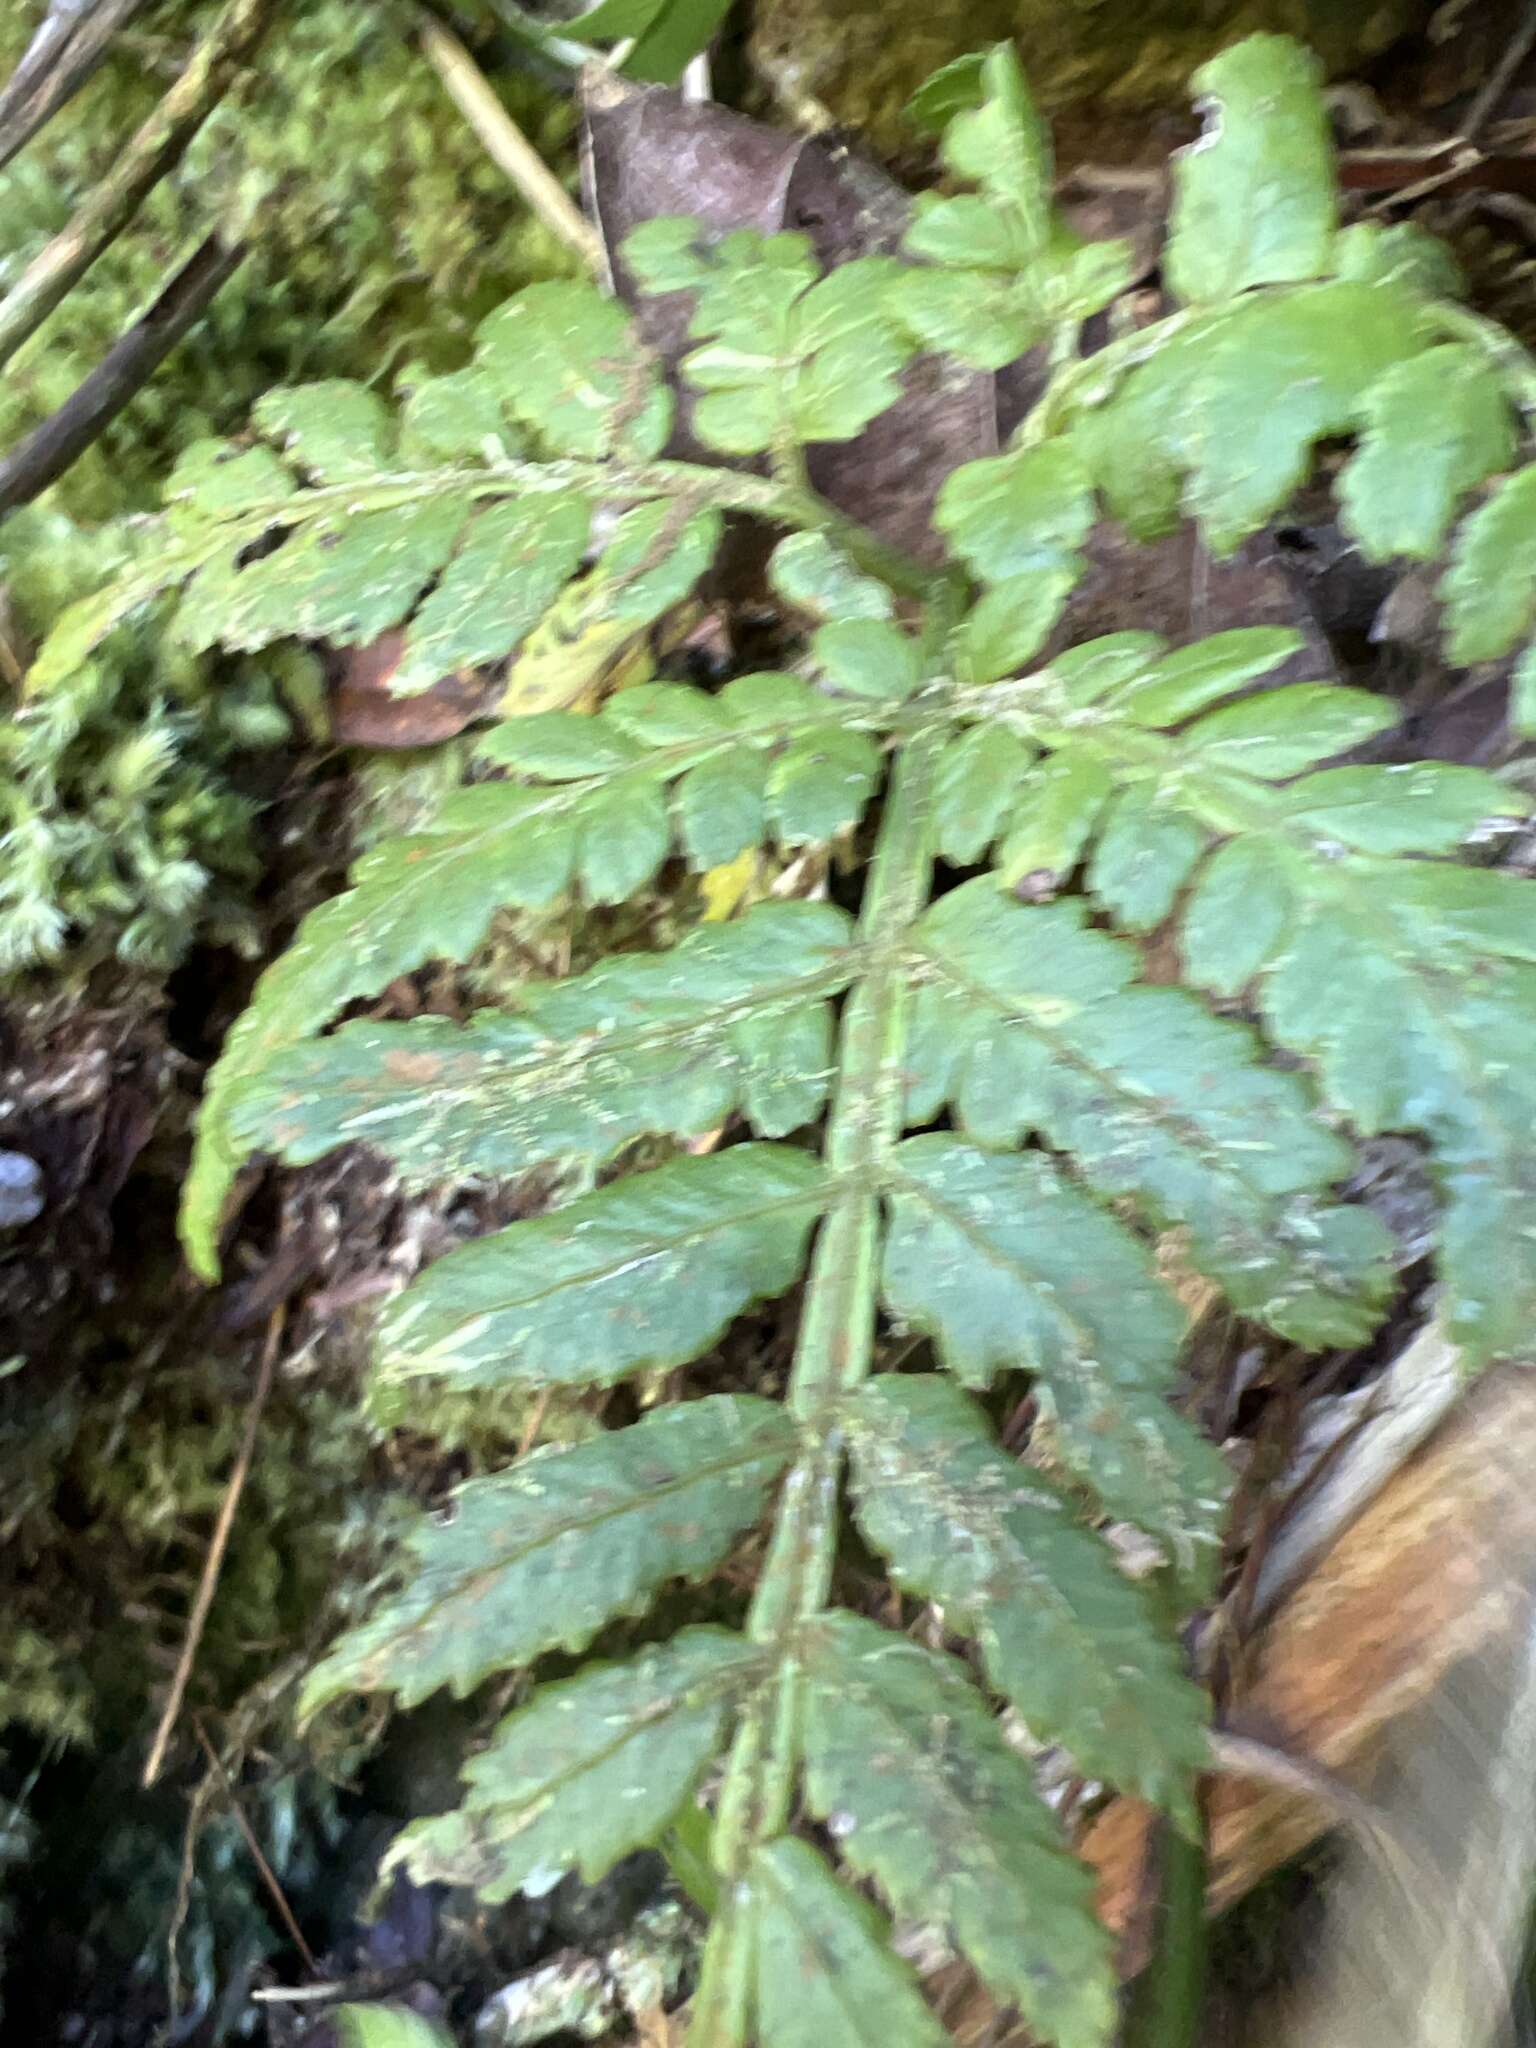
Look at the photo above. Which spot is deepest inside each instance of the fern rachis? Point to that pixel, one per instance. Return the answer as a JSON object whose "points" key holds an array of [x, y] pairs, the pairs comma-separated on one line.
{"points": [[958, 1113]]}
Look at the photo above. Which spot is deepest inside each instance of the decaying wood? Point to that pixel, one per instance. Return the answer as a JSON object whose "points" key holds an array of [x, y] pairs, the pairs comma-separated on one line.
{"points": [[1435, 1569]]}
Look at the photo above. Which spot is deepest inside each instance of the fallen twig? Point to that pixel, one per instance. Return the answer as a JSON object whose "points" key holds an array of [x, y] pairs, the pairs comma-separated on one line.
{"points": [[506, 145], [267, 1874], [158, 145], [59, 440], [213, 1563], [74, 37]]}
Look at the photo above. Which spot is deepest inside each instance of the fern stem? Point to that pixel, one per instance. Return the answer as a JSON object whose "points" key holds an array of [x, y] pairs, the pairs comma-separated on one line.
{"points": [[778, 503], [837, 1328]]}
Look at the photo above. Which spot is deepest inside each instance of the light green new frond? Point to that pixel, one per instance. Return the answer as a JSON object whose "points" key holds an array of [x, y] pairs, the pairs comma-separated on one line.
{"points": [[1221, 422], [639, 1276], [786, 356], [734, 1017], [587, 1771], [569, 366], [1062, 1633], [604, 1524], [1254, 200], [1490, 586], [340, 530], [1000, 270], [908, 1764], [1434, 428]]}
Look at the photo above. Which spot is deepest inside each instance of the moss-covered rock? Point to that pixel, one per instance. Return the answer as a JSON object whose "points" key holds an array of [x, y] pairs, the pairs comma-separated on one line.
{"points": [[860, 60]]}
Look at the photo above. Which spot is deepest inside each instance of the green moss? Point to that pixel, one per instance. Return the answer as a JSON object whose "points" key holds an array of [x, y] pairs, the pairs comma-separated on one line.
{"points": [[379, 231], [860, 60]]}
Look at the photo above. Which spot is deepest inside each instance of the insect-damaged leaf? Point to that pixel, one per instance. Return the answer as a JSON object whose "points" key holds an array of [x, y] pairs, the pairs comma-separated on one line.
{"points": [[540, 1556], [908, 1762], [1254, 198], [1062, 1633], [587, 1771], [641, 1275]]}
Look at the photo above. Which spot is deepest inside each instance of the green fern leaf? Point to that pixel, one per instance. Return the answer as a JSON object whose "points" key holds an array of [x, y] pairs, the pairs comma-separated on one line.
{"points": [[347, 577], [1006, 1264], [811, 571], [570, 367], [1012, 621], [1085, 1110], [428, 897], [656, 554], [1490, 587], [787, 355], [587, 1771], [1005, 271], [454, 418], [795, 1960], [1016, 514], [607, 1522], [338, 432], [978, 787], [1278, 377], [1434, 428], [512, 563], [1236, 404], [385, 2026], [644, 1043], [767, 753], [662, 34], [1026, 1019], [1062, 1634], [640, 1276], [909, 1767], [1447, 954], [1255, 198], [434, 896], [1003, 146], [1522, 700]]}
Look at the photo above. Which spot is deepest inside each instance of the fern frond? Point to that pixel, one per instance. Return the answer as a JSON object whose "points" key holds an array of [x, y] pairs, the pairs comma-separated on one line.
{"points": [[962, 1111], [797, 1959], [1062, 1633], [1027, 1019]]}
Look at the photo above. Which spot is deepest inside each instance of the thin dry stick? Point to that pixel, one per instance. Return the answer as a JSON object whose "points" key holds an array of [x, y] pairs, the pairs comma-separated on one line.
{"points": [[1501, 76], [267, 1873], [58, 441], [213, 1563], [144, 161], [60, 58], [507, 146]]}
